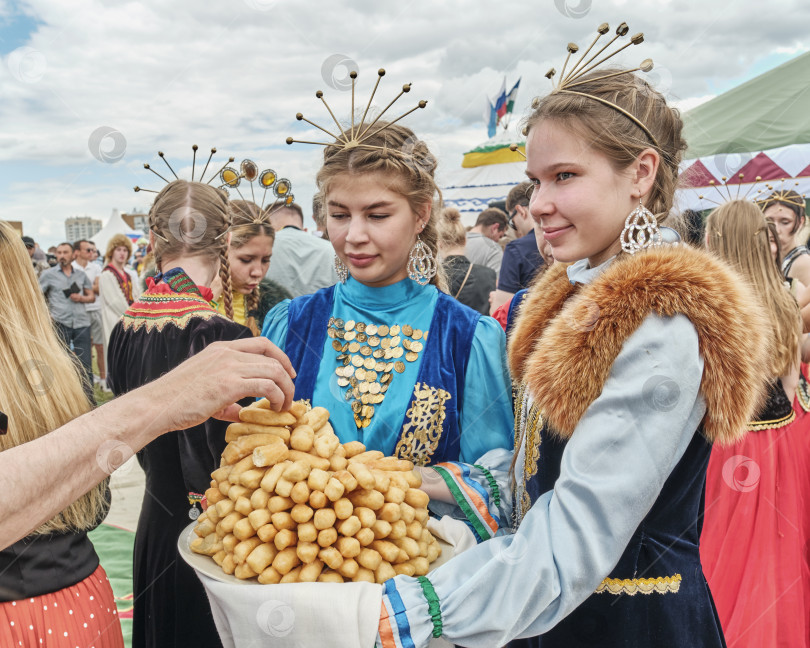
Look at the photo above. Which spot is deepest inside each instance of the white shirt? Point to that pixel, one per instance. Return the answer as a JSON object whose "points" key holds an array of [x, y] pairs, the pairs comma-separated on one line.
{"points": [[302, 263], [92, 270]]}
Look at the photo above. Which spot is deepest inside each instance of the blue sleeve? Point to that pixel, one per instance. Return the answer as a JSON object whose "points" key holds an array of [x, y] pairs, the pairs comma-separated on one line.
{"points": [[276, 324], [487, 420], [509, 276], [523, 584]]}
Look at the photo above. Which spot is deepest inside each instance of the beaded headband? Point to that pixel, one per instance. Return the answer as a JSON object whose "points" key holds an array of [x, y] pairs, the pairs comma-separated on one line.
{"points": [[356, 134], [573, 78]]}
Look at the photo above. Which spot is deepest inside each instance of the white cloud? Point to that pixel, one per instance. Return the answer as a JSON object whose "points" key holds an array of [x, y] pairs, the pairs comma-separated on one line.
{"points": [[233, 75]]}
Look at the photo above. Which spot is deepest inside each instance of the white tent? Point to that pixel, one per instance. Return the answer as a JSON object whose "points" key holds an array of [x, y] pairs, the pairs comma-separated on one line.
{"points": [[487, 174], [115, 225]]}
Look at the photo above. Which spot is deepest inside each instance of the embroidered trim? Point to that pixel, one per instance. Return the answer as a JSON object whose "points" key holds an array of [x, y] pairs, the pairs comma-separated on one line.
{"points": [[156, 310], [493, 485], [423, 429], [531, 420], [633, 586], [757, 426], [803, 393], [472, 503]]}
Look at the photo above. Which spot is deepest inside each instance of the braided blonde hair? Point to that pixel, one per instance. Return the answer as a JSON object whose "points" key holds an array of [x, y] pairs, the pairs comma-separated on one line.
{"points": [[193, 219], [249, 222], [409, 165]]}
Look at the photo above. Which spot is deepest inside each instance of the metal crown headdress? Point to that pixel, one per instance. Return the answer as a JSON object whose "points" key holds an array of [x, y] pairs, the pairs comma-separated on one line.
{"points": [[356, 134], [193, 165], [789, 196], [725, 192], [267, 180], [582, 67]]}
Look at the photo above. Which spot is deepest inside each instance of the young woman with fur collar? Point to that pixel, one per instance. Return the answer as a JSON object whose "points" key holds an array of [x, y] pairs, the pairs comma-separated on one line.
{"points": [[630, 366]]}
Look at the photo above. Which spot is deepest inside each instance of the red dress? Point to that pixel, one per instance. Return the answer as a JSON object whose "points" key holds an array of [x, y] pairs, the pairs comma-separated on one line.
{"points": [[753, 545]]}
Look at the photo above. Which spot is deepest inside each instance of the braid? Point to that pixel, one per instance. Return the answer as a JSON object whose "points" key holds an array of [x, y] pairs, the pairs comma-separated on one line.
{"points": [[225, 277], [251, 308]]}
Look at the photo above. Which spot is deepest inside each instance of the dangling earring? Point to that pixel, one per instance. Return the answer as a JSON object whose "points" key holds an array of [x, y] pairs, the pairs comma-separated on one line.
{"points": [[640, 230], [421, 263], [341, 270]]}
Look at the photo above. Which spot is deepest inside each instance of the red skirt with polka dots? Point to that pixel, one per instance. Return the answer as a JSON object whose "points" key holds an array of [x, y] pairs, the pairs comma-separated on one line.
{"points": [[83, 615]]}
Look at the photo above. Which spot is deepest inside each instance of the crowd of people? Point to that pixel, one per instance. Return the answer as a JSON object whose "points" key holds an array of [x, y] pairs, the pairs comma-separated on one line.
{"points": [[627, 402]]}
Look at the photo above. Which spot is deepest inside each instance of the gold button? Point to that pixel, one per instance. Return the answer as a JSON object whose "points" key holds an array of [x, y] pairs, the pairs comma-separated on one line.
{"points": [[336, 345], [365, 351], [379, 366], [394, 330], [407, 329], [362, 337], [332, 333], [374, 388], [357, 361], [377, 353], [339, 371], [354, 347], [398, 352], [343, 382], [386, 343], [360, 326], [350, 335], [395, 341], [371, 329], [350, 325], [382, 331], [407, 344], [399, 366], [360, 373], [374, 341], [417, 346], [371, 376], [410, 357], [369, 363], [417, 334]]}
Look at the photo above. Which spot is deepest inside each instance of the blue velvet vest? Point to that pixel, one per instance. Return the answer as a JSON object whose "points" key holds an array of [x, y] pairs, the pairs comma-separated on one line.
{"points": [[657, 594], [443, 367]]}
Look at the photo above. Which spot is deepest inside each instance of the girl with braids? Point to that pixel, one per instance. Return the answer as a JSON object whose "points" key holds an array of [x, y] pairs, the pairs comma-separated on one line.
{"points": [[632, 356], [52, 588], [249, 254], [400, 364], [755, 509], [189, 229]]}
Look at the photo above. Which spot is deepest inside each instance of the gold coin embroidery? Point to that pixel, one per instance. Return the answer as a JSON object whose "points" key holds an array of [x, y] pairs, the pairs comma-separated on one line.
{"points": [[368, 356]]}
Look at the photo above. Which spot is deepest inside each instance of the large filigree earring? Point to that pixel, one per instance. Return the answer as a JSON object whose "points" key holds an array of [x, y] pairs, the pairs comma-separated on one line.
{"points": [[640, 230], [421, 263], [341, 270]]}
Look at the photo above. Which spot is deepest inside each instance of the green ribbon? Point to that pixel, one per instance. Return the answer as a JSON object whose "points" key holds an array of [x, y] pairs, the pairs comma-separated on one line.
{"points": [[433, 605]]}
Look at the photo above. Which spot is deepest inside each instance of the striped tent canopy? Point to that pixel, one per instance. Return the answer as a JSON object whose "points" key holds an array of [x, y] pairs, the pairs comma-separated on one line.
{"points": [[487, 174], [760, 128]]}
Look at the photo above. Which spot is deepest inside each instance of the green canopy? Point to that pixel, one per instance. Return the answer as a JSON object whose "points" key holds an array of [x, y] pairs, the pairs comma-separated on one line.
{"points": [[767, 112]]}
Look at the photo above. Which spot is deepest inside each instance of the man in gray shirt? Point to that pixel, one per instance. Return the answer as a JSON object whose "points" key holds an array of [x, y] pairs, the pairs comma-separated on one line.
{"points": [[67, 290], [482, 240], [301, 262]]}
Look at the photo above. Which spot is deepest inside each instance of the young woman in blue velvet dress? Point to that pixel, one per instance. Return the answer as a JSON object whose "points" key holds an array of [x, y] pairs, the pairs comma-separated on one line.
{"points": [[400, 364]]}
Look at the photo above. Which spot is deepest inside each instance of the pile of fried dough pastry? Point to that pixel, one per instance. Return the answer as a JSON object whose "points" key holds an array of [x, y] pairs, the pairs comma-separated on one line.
{"points": [[290, 504]]}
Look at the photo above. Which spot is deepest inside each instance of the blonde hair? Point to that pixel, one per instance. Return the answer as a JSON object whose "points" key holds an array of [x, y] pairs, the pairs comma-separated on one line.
{"points": [[738, 232], [614, 135], [408, 165], [451, 232], [248, 222], [40, 383], [118, 240], [193, 219]]}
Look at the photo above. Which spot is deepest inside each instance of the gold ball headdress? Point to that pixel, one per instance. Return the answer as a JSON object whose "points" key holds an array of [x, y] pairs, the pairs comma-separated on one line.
{"points": [[725, 192], [573, 78], [782, 195], [355, 135]]}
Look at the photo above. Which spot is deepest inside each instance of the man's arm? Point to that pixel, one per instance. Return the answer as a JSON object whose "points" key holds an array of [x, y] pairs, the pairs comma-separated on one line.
{"points": [[40, 478]]}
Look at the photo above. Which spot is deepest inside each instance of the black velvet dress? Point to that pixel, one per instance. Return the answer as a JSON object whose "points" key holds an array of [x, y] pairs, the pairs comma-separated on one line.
{"points": [[171, 322]]}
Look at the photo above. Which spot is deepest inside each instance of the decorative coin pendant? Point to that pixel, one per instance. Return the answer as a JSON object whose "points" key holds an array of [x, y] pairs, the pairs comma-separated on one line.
{"points": [[194, 513]]}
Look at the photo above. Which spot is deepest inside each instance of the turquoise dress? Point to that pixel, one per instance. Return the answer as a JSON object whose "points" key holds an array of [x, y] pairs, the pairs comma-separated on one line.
{"points": [[376, 342]]}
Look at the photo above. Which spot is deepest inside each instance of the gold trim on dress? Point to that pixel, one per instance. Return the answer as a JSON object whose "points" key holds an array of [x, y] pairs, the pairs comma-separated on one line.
{"points": [[633, 586], [758, 426], [425, 422], [803, 393]]}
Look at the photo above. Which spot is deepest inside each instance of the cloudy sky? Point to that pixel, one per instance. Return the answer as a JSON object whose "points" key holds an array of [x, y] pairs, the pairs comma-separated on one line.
{"points": [[92, 89]]}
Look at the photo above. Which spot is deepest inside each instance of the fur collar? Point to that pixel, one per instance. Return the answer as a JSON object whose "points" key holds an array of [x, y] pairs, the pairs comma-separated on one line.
{"points": [[567, 337]]}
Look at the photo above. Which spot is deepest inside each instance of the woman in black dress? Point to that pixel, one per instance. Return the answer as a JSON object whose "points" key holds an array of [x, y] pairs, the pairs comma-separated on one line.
{"points": [[173, 320], [468, 282]]}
